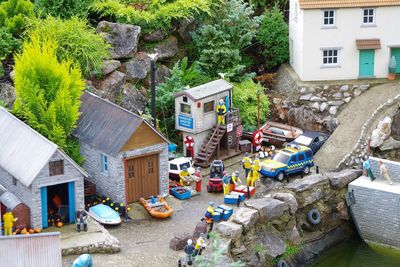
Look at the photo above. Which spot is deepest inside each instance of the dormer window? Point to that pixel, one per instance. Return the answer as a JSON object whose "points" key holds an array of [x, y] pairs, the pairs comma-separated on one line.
{"points": [[368, 16], [329, 18]]}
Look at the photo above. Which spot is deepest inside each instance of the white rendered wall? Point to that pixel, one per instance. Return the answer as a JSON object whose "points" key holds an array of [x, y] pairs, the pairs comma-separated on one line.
{"points": [[296, 36]]}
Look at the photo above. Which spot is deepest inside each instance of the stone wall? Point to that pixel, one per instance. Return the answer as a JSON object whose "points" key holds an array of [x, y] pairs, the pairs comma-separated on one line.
{"points": [[392, 166], [265, 228]]}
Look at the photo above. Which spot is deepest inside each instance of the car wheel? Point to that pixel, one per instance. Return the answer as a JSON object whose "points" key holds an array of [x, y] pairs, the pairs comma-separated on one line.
{"points": [[280, 176], [306, 170]]}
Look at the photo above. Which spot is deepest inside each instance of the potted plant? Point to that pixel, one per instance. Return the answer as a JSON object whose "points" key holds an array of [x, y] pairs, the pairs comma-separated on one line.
{"points": [[392, 68]]}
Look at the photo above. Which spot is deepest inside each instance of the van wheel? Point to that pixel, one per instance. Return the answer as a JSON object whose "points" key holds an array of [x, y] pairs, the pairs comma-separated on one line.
{"points": [[280, 176], [306, 170]]}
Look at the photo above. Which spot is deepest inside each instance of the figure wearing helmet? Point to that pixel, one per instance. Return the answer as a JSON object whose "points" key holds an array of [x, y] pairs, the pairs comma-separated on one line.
{"points": [[189, 250], [246, 164], [235, 180], [225, 183], [221, 111], [184, 175], [209, 216], [200, 245], [9, 220]]}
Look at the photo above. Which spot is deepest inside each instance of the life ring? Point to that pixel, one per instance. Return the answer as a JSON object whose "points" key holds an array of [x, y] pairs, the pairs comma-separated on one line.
{"points": [[314, 216], [282, 263]]}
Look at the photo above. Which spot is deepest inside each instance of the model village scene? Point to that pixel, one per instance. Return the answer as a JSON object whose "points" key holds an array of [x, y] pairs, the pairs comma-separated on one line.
{"points": [[200, 133]]}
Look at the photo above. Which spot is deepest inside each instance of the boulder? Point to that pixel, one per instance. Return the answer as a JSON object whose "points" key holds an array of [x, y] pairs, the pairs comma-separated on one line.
{"points": [[389, 144], [268, 208], [109, 66], [274, 246], [315, 106], [122, 37], [382, 132], [307, 183], [167, 49], [178, 242], [344, 88], [224, 259], [201, 227], [289, 199], [138, 67], [229, 230], [155, 36], [132, 99], [185, 28], [245, 217], [396, 126], [306, 97], [323, 107], [7, 94], [341, 179], [162, 73], [330, 123], [333, 110], [111, 86]]}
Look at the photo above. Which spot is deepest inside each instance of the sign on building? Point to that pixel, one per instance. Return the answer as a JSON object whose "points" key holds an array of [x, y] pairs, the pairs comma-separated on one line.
{"points": [[185, 121], [229, 127]]}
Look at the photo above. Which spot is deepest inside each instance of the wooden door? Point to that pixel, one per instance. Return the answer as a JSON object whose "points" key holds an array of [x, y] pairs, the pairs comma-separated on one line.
{"points": [[141, 177], [367, 58]]}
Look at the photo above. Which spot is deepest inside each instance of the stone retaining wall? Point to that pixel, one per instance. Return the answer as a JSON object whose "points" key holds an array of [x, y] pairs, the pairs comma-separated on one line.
{"points": [[264, 229], [393, 168]]}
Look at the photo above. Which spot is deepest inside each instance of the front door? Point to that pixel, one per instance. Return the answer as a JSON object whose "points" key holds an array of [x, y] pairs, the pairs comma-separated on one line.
{"points": [[141, 178], [396, 54], [367, 63]]}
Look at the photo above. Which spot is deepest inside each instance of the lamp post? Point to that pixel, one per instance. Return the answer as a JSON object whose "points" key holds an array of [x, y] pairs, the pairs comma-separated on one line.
{"points": [[153, 58]]}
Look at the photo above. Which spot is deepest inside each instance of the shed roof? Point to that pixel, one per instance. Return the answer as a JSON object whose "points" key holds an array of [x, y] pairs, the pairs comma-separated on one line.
{"points": [[316, 4], [206, 90], [23, 151], [105, 125]]}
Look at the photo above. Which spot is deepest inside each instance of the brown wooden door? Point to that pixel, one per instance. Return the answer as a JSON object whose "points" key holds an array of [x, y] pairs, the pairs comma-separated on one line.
{"points": [[141, 178]]}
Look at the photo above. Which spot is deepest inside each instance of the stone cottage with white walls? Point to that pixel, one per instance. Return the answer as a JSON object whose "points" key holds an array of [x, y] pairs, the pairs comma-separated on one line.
{"points": [[35, 170], [343, 39], [124, 155]]}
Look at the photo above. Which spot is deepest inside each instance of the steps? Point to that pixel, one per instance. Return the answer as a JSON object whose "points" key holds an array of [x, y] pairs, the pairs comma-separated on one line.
{"points": [[210, 146]]}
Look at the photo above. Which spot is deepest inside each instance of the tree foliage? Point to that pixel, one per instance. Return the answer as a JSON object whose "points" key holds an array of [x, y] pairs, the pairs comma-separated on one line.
{"points": [[220, 42], [48, 92], [152, 15], [245, 98], [63, 8], [76, 41], [7, 43], [14, 15], [274, 35]]}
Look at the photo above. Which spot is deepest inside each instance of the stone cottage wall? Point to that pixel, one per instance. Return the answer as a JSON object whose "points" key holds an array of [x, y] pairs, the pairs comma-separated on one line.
{"points": [[393, 168]]}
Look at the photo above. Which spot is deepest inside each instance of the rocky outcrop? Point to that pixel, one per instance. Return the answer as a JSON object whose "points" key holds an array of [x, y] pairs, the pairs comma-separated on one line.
{"points": [[111, 86], [155, 36], [381, 132], [122, 37], [268, 208], [109, 66], [289, 199], [7, 94], [245, 217], [229, 230], [131, 99], [138, 67], [341, 179], [167, 48]]}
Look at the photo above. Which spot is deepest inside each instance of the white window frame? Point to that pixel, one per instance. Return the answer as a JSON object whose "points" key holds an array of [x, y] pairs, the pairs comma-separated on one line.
{"points": [[333, 64], [329, 17], [373, 23], [105, 164]]}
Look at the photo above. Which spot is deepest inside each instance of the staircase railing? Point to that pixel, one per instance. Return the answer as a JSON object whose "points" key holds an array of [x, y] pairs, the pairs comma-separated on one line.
{"points": [[211, 138]]}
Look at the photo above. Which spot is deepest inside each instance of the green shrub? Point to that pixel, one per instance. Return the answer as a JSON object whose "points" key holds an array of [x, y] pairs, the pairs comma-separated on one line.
{"points": [[8, 43], [14, 15], [48, 92], [63, 8], [274, 35], [76, 41], [245, 98], [219, 44], [152, 15]]}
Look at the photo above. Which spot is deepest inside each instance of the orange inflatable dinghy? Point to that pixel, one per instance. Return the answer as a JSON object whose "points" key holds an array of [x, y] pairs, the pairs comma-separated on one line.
{"points": [[157, 207]]}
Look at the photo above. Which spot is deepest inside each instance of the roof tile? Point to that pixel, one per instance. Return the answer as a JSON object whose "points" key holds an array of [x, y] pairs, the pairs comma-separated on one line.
{"points": [[315, 4]]}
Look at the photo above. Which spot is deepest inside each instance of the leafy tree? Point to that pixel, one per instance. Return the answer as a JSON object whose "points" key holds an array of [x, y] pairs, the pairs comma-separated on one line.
{"points": [[7, 43], [48, 92], [274, 35], [14, 15], [63, 8], [219, 43], [76, 41], [245, 97]]}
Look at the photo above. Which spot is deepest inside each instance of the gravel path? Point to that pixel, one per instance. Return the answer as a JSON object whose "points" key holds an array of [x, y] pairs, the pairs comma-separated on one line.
{"points": [[351, 119]]}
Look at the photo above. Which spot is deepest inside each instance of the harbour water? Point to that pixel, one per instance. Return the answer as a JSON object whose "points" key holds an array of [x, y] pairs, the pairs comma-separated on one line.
{"points": [[356, 253]]}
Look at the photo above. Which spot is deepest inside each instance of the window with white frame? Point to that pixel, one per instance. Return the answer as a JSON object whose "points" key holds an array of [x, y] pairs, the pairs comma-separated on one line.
{"points": [[369, 16], [329, 17], [104, 164], [330, 57]]}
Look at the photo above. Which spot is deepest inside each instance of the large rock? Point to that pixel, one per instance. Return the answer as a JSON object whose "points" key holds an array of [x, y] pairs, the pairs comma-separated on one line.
{"points": [[268, 208], [341, 179], [168, 48], [382, 132], [111, 86], [109, 66], [132, 99], [333, 110], [229, 230], [396, 126], [162, 73], [7, 94], [155, 36], [289, 199], [201, 228], [138, 67], [307, 183], [122, 37], [274, 246], [246, 217], [389, 144], [178, 242], [305, 118], [185, 28]]}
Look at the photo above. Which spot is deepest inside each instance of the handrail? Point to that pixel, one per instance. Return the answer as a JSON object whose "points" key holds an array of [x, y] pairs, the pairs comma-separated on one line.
{"points": [[211, 138]]}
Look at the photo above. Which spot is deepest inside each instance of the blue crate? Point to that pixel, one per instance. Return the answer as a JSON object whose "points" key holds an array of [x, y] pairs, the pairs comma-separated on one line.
{"points": [[231, 199], [217, 216], [175, 193], [227, 212], [242, 196]]}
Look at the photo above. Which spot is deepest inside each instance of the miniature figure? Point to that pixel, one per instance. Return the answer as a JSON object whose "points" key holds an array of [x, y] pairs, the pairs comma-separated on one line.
{"points": [[252, 177], [385, 172], [209, 216], [367, 168], [200, 245], [246, 163], [9, 220], [221, 110], [257, 163], [262, 154], [234, 180], [81, 220], [189, 249], [198, 172], [271, 151], [184, 176], [225, 183]]}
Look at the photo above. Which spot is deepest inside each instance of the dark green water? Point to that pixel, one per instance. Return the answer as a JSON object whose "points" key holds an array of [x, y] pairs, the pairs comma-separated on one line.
{"points": [[355, 253]]}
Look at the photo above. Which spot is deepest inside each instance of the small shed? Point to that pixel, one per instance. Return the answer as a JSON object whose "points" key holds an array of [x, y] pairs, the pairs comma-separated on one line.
{"points": [[18, 209]]}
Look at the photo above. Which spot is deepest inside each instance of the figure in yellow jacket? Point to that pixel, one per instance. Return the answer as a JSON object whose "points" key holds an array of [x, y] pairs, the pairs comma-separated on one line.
{"points": [[9, 220], [183, 175], [253, 176], [235, 180], [246, 161], [221, 110]]}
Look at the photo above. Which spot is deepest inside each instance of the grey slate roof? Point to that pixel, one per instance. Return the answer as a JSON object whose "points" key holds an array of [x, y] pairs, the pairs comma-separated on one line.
{"points": [[23, 151], [206, 90], [105, 125]]}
